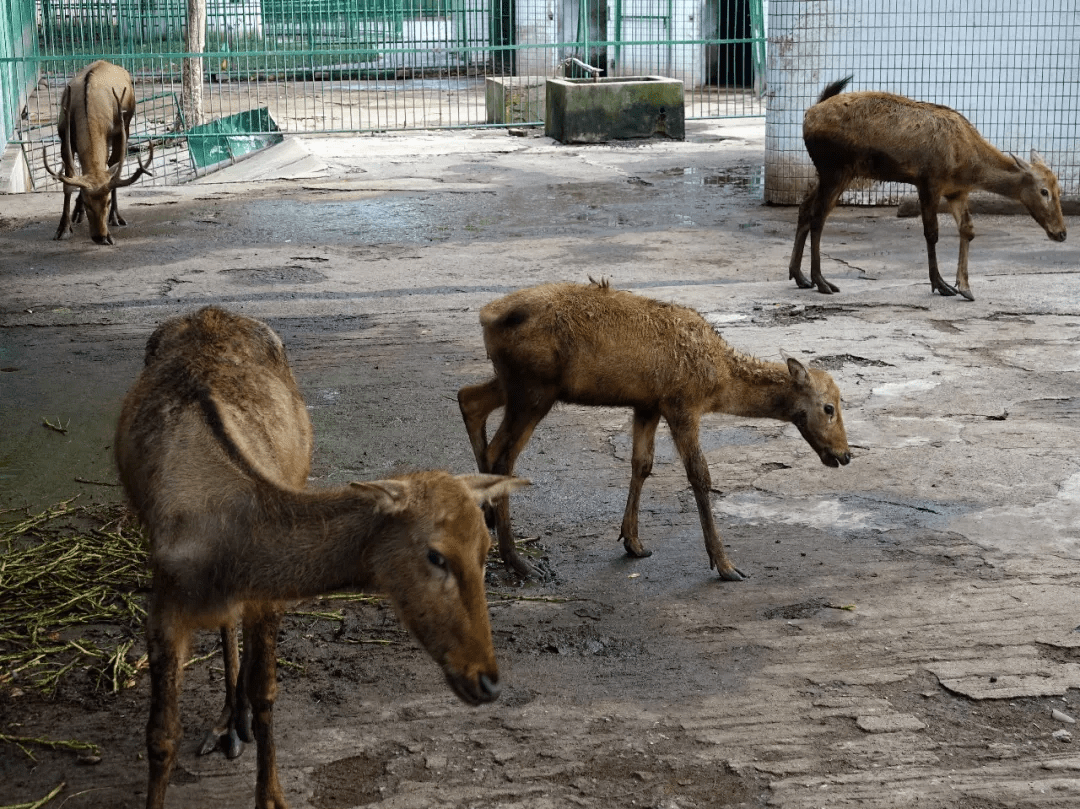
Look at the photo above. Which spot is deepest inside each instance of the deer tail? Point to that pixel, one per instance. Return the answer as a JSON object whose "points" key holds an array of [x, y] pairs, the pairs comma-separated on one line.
{"points": [[834, 89]]}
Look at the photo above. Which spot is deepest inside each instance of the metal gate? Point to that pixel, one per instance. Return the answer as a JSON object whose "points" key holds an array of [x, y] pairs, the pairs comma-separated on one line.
{"points": [[354, 66]]}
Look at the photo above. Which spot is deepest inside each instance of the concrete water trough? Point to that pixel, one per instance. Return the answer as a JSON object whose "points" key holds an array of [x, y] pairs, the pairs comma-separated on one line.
{"points": [[614, 108]]}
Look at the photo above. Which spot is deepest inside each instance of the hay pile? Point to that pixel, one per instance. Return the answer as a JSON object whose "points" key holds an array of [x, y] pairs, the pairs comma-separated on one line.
{"points": [[73, 581]]}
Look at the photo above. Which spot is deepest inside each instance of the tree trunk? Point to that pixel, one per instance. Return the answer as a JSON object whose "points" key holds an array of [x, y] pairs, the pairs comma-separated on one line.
{"points": [[191, 101]]}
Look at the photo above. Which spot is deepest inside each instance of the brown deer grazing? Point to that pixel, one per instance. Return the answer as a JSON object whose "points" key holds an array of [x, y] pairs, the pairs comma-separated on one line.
{"points": [[880, 136], [95, 118], [213, 446], [588, 344]]}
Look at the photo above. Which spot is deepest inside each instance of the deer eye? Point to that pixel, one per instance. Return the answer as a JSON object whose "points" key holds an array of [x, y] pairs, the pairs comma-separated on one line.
{"points": [[829, 410], [436, 559], [1045, 192]]}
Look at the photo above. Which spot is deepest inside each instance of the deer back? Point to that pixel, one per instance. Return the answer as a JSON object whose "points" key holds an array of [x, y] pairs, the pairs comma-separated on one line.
{"points": [[602, 346], [215, 409], [97, 104], [889, 137]]}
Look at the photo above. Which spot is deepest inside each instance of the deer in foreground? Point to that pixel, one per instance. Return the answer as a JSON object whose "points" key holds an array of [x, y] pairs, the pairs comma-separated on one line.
{"points": [[213, 446], [588, 344], [881, 136], [95, 118]]}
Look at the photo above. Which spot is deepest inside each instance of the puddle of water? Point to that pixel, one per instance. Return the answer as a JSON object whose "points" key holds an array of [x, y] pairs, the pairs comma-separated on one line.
{"points": [[368, 220], [904, 388], [1046, 528], [826, 514], [745, 179]]}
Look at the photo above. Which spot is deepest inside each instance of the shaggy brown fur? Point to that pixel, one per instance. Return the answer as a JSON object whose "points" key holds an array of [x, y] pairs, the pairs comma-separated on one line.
{"points": [[95, 118], [213, 447], [591, 345], [881, 136]]}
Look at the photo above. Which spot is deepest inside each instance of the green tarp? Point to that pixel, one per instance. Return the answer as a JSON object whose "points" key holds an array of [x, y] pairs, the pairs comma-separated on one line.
{"points": [[228, 139]]}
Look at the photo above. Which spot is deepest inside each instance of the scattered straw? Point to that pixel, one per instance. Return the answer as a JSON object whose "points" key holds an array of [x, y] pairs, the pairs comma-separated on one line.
{"points": [[25, 742], [64, 574], [37, 804], [72, 592]]}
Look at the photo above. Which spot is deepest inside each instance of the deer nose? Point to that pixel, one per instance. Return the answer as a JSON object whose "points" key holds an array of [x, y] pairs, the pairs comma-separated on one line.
{"points": [[1059, 236]]}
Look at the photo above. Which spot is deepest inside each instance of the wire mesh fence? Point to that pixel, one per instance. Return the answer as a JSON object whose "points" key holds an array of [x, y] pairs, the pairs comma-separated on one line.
{"points": [[1013, 71], [356, 66]]}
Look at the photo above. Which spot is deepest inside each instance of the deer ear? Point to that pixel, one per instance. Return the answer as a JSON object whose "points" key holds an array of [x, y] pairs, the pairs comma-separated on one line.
{"points": [[1020, 163], [486, 488], [1037, 158], [389, 496], [797, 370]]}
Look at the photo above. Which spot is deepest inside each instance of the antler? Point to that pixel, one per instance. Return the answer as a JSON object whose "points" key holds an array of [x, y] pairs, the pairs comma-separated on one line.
{"points": [[115, 181], [79, 181], [139, 172]]}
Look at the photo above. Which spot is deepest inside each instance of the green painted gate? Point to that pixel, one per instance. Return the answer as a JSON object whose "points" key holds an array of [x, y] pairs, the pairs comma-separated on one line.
{"points": [[347, 66]]}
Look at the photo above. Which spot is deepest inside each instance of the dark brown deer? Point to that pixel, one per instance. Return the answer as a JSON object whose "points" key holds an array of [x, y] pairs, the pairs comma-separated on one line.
{"points": [[881, 136], [95, 118], [213, 446], [591, 345]]}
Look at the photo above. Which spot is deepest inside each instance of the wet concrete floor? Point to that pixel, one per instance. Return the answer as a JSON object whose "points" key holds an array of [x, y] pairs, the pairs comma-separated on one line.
{"points": [[910, 621]]}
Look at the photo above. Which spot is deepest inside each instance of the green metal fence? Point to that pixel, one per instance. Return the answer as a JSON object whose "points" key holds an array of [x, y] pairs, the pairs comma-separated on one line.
{"points": [[18, 33], [352, 66]]}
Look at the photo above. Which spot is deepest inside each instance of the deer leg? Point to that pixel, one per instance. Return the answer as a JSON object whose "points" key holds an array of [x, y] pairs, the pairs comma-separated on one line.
{"points": [[958, 206], [166, 649], [260, 688], [476, 403], [928, 201], [79, 210], [828, 193], [684, 430], [224, 734], [645, 423], [524, 410], [64, 228], [114, 212], [68, 161], [802, 230]]}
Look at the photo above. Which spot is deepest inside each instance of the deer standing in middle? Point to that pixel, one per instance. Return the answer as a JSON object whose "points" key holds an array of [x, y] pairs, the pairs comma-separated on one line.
{"points": [[881, 136], [588, 344]]}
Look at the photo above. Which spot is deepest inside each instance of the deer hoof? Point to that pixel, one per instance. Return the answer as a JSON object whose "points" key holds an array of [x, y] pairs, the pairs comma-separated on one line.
{"points": [[827, 287], [516, 564], [965, 293], [232, 745], [225, 740], [800, 280], [635, 548], [733, 574]]}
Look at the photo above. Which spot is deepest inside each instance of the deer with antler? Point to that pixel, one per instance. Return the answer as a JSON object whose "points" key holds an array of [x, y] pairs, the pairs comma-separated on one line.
{"points": [[95, 118]]}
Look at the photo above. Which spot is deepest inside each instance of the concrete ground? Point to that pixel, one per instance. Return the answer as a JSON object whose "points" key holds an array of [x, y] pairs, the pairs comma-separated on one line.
{"points": [[909, 627]]}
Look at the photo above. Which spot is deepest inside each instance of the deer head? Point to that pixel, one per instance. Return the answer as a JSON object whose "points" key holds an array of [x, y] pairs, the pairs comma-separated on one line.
{"points": [[1041, 196]]}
